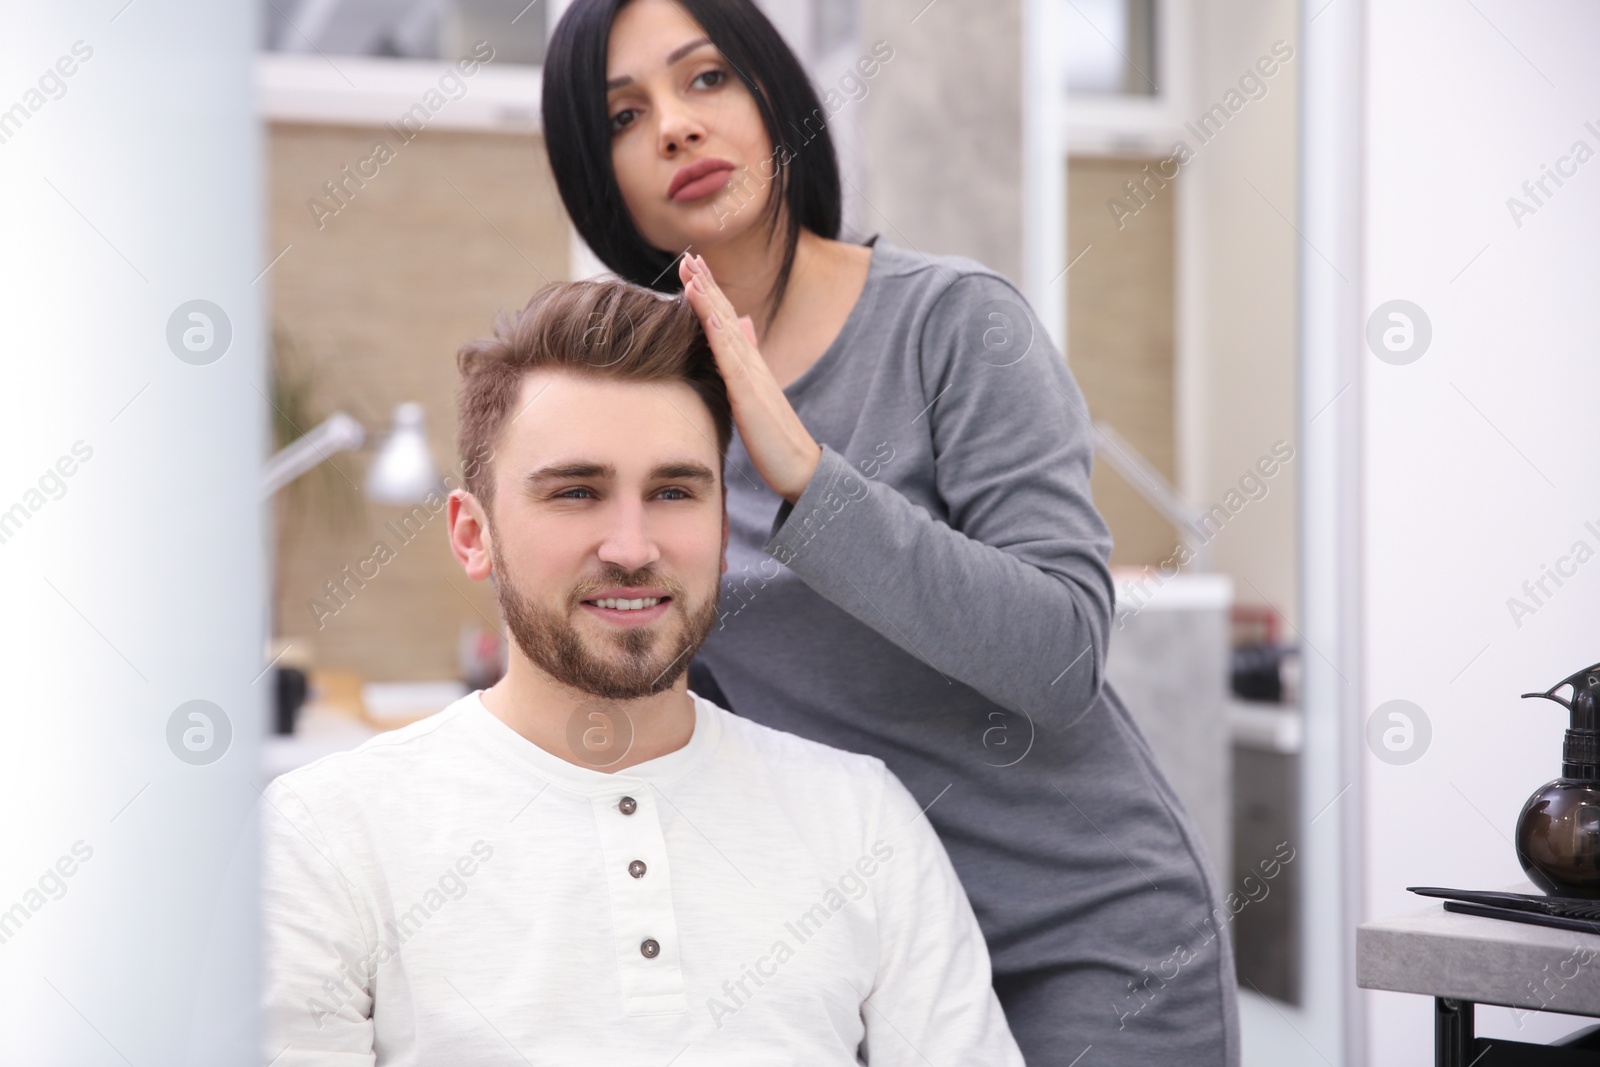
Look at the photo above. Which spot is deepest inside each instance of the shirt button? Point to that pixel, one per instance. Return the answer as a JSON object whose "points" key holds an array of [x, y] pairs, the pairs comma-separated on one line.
{"points": [[627, 805], [637, 868], [650, 948]]}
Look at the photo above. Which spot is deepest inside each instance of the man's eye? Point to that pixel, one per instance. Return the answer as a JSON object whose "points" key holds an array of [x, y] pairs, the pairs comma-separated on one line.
{"points": [[567, 494], [683, 494]]}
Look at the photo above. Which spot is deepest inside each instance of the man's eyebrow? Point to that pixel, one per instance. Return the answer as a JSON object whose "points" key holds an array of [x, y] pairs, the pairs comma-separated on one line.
{"points": [[676, 54], [673, 470], [684, 471], [560, 472]]}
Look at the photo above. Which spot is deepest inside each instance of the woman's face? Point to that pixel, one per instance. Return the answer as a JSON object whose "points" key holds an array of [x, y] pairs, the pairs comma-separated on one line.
{"points": [[691, 155]]}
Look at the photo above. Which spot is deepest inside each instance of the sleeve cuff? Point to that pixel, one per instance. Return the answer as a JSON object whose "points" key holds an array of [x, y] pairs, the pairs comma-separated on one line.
{"points": [[833, 485]]}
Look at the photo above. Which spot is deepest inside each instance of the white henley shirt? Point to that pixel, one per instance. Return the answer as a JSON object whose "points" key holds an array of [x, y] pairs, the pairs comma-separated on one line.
{"points": [[452, 894]]}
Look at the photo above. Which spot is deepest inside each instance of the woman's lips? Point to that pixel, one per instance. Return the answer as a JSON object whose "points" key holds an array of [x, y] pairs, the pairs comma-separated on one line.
{"points": [[705, 185]]}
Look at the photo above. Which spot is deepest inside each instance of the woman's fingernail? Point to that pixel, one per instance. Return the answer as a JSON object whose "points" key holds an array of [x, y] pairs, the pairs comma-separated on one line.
{"points": [[701, 260], [716, 323]]}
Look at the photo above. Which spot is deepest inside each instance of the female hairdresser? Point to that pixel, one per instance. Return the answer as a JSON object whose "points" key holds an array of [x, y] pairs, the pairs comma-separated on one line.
{"points": [[915, 570]]}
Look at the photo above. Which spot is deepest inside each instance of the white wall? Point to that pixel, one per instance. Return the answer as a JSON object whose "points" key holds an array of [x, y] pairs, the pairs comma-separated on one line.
{"points": [[1480, 465], [136, 583]]}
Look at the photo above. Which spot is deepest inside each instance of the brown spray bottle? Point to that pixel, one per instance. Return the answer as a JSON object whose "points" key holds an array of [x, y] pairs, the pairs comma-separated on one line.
{"points": [[1558, 832]]}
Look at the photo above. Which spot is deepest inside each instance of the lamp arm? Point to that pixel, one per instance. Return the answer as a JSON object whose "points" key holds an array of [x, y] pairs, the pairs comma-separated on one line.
{"points": [[337, 433]]}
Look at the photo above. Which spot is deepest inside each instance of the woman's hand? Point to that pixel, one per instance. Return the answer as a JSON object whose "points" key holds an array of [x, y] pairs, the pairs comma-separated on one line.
{"points": [[779, 444]]}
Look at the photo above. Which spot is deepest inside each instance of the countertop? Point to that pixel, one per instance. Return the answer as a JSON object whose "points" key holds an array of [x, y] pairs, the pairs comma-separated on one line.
{"points": [[1487, 961]]}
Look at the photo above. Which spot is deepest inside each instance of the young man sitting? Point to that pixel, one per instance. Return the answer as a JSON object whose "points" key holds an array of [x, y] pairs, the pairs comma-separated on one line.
{"points": [[588, 864]]}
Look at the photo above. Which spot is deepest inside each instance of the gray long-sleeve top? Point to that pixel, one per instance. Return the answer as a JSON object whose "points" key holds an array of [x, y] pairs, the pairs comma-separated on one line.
{"points": [[939, 597]]}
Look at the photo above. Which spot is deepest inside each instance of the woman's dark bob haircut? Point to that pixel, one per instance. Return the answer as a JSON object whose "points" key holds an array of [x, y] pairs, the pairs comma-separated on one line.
{"points": [[577, 132]]}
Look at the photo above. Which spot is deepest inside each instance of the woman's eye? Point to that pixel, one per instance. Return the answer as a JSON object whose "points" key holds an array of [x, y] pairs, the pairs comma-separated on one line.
{"points": [[716, 75], [622, 120]]}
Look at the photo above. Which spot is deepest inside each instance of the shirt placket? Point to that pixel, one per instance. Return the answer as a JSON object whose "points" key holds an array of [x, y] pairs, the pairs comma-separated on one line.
{"points": [[639, 880]]}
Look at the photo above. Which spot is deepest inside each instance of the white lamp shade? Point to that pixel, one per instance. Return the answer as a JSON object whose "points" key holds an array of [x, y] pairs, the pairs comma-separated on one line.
{"points": [[403, 471]]}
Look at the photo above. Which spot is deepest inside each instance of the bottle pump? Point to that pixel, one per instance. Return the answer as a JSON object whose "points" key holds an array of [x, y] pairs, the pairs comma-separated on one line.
{"points": [[1558, 832]]}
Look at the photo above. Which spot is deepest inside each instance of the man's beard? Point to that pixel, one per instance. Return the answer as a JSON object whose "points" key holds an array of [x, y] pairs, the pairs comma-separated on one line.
{"points": [[645, 660]]}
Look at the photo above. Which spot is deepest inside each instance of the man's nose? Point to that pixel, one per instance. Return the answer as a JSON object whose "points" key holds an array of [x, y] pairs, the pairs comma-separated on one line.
{"points": [[627, 543]]}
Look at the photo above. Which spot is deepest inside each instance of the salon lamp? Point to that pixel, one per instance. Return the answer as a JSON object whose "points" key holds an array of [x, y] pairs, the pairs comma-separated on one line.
{"points": [[402, 472]]}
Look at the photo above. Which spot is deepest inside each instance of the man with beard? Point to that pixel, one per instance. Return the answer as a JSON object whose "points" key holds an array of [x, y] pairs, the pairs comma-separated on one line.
{"points": [[587, 863]]}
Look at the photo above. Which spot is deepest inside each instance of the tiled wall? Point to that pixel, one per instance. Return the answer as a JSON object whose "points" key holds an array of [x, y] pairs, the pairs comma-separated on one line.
{"points": [[375, 302], [1120, 339]]}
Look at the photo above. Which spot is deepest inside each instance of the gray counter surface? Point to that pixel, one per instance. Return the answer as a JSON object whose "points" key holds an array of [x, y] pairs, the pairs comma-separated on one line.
{"points": [[1487, 961]]}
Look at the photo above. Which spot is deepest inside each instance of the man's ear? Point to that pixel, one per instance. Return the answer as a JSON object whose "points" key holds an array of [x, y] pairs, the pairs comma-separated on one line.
{"points": [[469, 535]]}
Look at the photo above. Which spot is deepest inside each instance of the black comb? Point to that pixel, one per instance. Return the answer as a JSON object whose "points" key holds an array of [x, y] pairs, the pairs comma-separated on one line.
{"points": [[1574, 908]]}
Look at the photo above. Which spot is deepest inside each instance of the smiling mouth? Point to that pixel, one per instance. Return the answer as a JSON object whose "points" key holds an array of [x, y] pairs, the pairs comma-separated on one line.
{"points": [[620, 604]]}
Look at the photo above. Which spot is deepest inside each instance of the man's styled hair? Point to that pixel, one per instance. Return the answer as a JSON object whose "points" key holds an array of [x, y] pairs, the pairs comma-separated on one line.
{"points": [[601, 328]]}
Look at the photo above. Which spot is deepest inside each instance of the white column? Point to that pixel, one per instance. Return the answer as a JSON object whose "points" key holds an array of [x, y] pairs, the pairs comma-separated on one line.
{"points": [[132, 548], [1331, 794]]}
